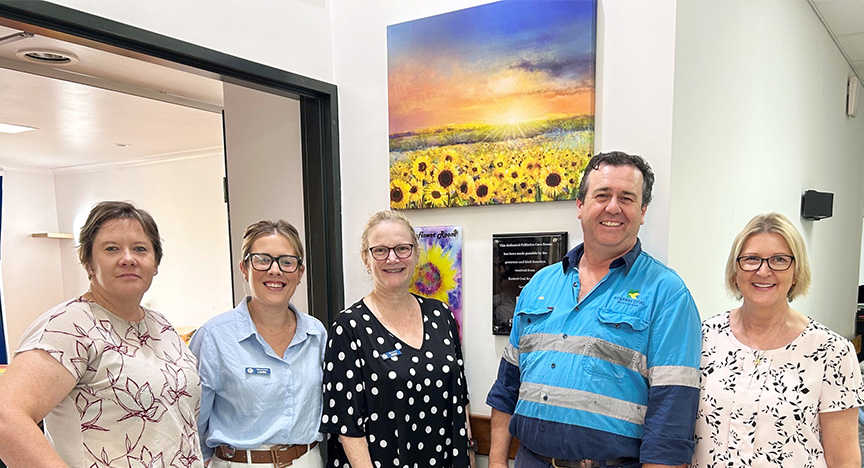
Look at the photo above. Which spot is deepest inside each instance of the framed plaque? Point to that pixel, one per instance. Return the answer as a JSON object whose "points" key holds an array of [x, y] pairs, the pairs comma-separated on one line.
{"points": [[515, 259]]}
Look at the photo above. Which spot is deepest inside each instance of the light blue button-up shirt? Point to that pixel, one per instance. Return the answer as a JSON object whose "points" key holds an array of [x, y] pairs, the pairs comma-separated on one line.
{"points": [[249, 395]]}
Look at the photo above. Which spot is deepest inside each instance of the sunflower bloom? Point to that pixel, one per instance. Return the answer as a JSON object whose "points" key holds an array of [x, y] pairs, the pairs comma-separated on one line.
{"points": [[514, 175], [420, 167], [464, 186], [552, 181], [415, 192], [483, 190], [398, 195], [437, 273], [446, 177], [436, 196]]}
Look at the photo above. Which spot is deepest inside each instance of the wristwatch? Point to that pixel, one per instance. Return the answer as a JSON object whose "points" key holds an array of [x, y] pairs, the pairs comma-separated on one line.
{"points": [[472, 444]]}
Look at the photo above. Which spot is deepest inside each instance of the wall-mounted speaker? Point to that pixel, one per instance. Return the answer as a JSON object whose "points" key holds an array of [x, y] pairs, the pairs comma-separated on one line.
{"points": [[817, 205], [852, 95]]}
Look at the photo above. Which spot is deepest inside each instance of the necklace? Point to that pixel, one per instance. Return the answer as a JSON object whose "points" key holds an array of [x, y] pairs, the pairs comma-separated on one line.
{"points": [[759, 354]]}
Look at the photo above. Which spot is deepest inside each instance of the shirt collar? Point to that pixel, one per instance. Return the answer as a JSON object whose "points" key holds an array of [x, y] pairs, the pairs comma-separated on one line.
{"points": [[245, 327], [627, 260]]}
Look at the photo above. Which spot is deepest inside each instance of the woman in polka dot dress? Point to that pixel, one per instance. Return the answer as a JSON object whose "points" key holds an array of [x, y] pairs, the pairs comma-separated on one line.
{"points": [[394, 381]]}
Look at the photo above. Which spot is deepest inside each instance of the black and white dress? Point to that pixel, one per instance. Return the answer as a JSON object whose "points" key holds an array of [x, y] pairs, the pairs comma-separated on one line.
{"points": [[761, 408], [408, 403]]}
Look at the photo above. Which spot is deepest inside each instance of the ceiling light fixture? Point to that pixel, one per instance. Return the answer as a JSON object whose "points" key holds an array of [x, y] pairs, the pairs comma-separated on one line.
{"points": [[12, 128], [15, 37], [47, 56]]}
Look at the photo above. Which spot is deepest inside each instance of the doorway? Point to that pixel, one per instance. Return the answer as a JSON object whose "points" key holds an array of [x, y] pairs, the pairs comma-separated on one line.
{"points": [[317, 112]]}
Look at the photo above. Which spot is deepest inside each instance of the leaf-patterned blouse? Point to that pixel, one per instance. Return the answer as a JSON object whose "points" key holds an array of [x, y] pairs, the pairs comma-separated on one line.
{"points": [[761, 408], [137, 398]]}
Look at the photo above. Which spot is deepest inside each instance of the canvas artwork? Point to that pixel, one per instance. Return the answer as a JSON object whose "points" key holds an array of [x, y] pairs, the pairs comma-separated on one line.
{"points": [[492, 104], [439, 269]]}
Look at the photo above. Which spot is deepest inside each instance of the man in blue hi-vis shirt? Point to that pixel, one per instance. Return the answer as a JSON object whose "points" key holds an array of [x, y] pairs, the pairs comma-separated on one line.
{"points": [[602, 365]]}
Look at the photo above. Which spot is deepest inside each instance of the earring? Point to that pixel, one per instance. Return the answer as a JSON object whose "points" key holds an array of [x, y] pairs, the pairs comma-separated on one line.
{"points": [[368, 271]]}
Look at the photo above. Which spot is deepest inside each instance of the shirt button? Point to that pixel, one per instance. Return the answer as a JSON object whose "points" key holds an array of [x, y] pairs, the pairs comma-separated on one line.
{"points": [[553, 365], [617, 325], [529, 320], [542, 428], [564, 336], [545, 397], [575, 284]]}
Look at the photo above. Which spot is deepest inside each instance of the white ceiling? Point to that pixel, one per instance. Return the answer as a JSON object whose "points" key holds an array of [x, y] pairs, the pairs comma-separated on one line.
{"points": [[84, 124], [85, 110], [845, 21]]}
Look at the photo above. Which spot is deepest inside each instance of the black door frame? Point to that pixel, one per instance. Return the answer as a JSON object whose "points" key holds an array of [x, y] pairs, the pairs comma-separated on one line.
{"points": [[318, 120]]}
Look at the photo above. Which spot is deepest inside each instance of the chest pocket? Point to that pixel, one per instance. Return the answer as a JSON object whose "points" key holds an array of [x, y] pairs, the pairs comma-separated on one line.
{"points": [[621, 345], [533, 323]]}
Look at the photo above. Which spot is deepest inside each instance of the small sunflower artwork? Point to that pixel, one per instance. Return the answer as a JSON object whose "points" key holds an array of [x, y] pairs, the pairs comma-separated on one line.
{"points": [[439, 269], [492, 104]]}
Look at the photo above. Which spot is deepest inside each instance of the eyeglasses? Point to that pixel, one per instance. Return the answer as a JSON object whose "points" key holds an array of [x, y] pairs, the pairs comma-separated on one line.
{"points": [[776, 262], [381, 252], [263, 262]]}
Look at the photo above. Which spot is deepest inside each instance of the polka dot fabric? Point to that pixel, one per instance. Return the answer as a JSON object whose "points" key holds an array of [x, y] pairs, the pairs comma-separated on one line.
{"points": [[408, 403]]}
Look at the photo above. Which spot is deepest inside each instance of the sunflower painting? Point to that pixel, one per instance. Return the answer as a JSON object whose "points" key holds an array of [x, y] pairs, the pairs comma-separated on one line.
{"points": [[492, 104], [439, 270]]}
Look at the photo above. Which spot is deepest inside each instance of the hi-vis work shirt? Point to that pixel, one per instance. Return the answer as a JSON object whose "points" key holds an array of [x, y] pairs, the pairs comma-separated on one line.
{"points": [[613, 375]]}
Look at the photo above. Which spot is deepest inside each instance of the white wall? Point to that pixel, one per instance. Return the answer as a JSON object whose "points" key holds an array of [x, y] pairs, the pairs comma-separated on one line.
{"points": [[758, 119], [185, 199], [634, 113], [265, 170], [292, 35], [32, 282]]}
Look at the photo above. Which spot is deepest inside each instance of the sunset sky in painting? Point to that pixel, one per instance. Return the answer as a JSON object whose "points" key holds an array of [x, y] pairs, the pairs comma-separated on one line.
{"points": [[502, 63]]}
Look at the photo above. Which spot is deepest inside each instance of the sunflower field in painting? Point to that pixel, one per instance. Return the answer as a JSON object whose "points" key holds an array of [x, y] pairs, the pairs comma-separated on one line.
{"points": [[489, 165], [492, 104]]}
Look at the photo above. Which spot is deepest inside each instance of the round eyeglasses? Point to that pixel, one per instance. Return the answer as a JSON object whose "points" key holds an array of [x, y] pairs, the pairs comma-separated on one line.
{"points": [[263, 262], [381, 252], [775, 262]]}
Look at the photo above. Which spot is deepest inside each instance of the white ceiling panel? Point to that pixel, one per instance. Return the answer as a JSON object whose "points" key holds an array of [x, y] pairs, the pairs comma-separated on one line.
{"points": [[93, 124]]}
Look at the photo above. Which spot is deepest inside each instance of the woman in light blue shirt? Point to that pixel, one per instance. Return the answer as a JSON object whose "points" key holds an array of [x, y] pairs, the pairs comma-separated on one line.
{"points": [[260, 364]]}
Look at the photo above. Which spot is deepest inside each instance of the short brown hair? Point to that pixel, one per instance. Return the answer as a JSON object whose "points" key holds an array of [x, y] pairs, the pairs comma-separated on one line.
{"points": [[618, 158], [108, 210], [771, 223], [380, 217], [268, 228]]}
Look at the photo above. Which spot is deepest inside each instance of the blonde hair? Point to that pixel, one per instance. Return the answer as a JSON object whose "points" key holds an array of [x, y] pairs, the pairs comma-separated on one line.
{"points": [[268, 228], [380, 217], [771, 223]]}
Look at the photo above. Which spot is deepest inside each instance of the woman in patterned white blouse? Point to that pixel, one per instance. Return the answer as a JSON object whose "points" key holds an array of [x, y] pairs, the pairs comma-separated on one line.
{"points": [[394, 384], [778, 388], [113, 380]]}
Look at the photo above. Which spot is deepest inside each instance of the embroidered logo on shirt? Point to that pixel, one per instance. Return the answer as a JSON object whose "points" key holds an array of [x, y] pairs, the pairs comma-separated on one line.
{"points": [[630, 298]]}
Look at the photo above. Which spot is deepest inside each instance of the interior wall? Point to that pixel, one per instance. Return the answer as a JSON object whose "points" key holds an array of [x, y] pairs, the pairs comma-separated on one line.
{"points": [[291, 35], [185, 199], [265, 170], [758, 119], [634, 107], [32, 283]]}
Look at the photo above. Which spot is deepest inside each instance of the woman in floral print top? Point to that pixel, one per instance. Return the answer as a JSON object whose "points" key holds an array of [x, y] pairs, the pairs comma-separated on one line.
{"points": [[778, 388], [113, 381]]}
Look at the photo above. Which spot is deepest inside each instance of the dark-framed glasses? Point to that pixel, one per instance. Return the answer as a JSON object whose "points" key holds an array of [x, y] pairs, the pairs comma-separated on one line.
{"points": [[381, 252], [263, 261], [775, 262]]}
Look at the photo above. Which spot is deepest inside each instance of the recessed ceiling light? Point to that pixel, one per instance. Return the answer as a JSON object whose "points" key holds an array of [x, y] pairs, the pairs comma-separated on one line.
{"points": [[12, 128], [47, 56], [123, 145]]}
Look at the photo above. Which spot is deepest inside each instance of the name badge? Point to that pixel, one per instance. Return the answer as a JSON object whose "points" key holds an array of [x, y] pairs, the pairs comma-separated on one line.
{"points": [[391, 354], [258, 370]]}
